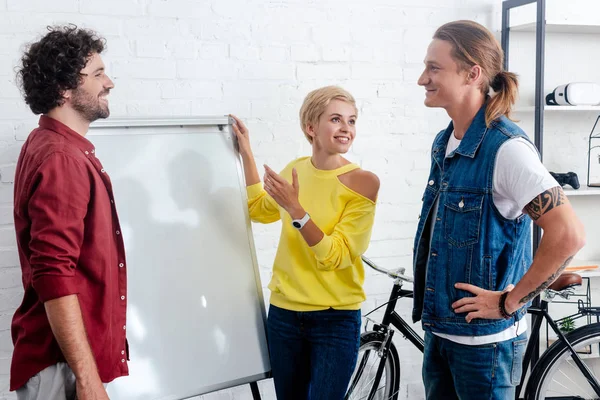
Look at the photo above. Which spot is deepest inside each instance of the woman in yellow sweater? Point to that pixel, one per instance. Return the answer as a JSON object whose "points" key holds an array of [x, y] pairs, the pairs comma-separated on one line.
{"points": [[327, 206]]}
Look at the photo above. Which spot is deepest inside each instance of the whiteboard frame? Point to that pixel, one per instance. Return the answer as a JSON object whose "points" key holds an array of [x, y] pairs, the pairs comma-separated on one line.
{"points": [[145, 126]]}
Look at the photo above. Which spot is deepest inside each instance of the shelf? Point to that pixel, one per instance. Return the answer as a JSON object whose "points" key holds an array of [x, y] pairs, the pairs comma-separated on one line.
{"points": [[528, 109], [585, 273], [558, 27], [582, 191], [588, 274], [573, 16]]}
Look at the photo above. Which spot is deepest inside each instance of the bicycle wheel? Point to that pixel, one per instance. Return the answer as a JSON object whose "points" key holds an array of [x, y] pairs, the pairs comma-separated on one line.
{"points": [[556, 376], [368, 361]]}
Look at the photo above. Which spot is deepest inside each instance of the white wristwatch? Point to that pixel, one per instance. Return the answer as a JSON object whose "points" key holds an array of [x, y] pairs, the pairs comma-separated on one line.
{"points": [[299, 223]]}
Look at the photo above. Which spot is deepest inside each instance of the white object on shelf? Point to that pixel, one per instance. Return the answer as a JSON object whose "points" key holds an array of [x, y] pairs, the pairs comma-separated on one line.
{"points": [[571, 16], [582, 191]]}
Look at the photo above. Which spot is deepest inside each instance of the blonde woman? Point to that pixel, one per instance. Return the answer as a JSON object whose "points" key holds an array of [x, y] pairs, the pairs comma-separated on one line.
{"points": [[326, 205]]}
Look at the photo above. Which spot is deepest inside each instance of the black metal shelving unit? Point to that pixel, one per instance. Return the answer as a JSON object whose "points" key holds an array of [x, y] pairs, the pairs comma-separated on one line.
{"points": [[540, 43], [539, 102]]}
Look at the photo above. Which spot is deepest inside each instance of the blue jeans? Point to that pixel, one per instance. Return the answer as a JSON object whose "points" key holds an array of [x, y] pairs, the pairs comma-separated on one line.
{"points": [[457, 371], [313, 353]]}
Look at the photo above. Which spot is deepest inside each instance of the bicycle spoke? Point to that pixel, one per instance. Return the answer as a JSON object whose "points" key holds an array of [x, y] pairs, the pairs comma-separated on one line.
{"points": [[566, 388], [381, 388], [574, 370], [364, 376], [560, 376], [569, 384]]}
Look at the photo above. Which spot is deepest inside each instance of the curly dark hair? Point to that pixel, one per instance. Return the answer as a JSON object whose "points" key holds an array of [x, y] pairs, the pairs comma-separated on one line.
{"points": [[53, 65]]}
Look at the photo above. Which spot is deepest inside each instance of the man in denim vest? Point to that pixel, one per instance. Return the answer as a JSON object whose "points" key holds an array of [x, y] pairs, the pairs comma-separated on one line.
{"points": [[474, 272]]}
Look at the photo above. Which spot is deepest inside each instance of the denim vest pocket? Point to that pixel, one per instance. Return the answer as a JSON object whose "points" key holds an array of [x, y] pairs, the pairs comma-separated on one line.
{"points": [[462, 218]]}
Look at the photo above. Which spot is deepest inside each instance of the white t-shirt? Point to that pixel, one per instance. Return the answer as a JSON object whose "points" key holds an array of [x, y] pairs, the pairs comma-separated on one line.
{"points": [[519, 177]]}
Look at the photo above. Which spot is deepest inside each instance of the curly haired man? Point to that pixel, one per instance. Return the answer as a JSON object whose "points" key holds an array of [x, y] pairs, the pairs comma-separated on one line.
{"points": [[69, 331]]}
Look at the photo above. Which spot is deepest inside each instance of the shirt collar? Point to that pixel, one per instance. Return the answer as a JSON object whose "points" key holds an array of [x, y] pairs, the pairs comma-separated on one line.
{"points": [[471, 140], [474, 135], [75, 138]]}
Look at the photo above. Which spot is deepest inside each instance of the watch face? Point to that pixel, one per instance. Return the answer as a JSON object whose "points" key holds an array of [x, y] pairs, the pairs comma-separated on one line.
{"points": [[296, 224]]}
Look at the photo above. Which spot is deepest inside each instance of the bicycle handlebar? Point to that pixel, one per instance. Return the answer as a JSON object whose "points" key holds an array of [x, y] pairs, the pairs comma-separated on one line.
{"points": [[396, 274]]}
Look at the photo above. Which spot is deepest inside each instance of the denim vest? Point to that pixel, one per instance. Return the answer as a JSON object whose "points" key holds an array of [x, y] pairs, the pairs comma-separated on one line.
{"points": [[472, 242]]}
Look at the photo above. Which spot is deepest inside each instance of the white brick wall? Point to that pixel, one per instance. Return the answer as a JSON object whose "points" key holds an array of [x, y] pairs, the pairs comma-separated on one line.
{"points": [[256, 59]]}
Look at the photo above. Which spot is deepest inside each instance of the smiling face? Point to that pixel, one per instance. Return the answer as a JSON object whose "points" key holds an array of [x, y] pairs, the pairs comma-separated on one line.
{"points": [[89, 99], [445, 83], [336, 128]]}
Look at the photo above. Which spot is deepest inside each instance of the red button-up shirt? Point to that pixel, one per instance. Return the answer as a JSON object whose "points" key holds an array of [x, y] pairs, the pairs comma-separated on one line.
{"points": [[69, 242]]}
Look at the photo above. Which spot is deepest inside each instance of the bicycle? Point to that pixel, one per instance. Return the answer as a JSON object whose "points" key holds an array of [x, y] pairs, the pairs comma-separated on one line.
{"points": [[568, 369]]}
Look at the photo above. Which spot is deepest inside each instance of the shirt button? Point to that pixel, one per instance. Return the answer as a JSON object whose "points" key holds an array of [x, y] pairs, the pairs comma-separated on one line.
{"points": [[118, 233], [121, 265], [431, 182], [122, 360], [122, 297], [102, 170], [122, 351], [434, 254], [93, 151], [124, 327], [87, 152]]}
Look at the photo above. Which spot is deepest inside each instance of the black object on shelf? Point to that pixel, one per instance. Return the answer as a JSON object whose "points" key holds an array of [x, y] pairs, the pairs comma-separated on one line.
{"points": [[594, 143], [566, 178]]}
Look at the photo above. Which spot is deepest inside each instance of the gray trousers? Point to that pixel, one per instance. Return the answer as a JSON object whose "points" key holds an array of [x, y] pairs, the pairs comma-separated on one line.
{"points": [[57, 382]]}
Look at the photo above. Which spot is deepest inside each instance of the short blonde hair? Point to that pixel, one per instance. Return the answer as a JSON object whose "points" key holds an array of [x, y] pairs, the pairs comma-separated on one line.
{"points": [[315, 103]]}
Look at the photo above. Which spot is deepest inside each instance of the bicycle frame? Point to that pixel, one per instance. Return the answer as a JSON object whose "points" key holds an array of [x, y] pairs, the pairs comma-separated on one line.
{"points": [[392, 317], [541, 313]]}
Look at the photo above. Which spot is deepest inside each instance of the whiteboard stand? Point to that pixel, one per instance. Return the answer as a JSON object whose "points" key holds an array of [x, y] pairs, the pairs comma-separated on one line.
{"points": [[192, 273], [255, 392]]}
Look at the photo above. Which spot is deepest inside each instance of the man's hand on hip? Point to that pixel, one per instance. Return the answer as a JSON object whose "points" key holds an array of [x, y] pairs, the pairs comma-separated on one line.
{"points": [[484, 305]]}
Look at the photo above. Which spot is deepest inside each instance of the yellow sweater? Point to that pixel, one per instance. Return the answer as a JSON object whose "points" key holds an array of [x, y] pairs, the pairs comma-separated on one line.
{"points": [[330, 273]]}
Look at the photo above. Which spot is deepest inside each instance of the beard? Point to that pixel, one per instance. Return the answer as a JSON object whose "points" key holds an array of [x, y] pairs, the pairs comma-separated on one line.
{"points": [[88, 105]]}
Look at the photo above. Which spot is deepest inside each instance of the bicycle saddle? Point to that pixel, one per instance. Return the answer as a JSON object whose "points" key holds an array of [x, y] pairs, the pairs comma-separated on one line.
{"points": [[565, 281]]}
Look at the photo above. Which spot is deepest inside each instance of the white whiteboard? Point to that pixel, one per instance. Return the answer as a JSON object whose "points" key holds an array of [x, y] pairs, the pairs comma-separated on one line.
{"points": [[195, 314]]}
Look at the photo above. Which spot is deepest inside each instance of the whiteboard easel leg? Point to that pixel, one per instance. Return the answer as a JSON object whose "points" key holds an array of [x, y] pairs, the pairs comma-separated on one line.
{"points": [[255, 392]]}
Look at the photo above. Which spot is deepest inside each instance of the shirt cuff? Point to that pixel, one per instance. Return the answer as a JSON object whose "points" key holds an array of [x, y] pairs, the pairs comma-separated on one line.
{"points": [[322, 248], [50, 287], [255, 190]]}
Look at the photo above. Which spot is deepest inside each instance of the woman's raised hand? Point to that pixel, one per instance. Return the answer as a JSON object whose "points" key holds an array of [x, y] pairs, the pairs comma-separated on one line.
{"points": [[243, 137]]}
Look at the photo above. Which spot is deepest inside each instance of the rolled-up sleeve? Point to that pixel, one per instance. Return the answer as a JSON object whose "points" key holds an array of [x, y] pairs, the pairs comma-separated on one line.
{"points": [[261, 206], [350, 237], [59, 198]]}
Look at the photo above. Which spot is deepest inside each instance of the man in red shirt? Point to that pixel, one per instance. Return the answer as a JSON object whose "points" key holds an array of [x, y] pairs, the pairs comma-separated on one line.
{"points": [[69, 331]]}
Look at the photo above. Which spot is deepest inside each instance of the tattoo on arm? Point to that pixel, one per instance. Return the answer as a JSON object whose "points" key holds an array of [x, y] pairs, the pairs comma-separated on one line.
{"points": [[545, 202], [548, 282]]}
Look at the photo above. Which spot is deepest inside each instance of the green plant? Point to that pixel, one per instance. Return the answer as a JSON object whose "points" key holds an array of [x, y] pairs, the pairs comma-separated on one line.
{"points": [[566, 325]]}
